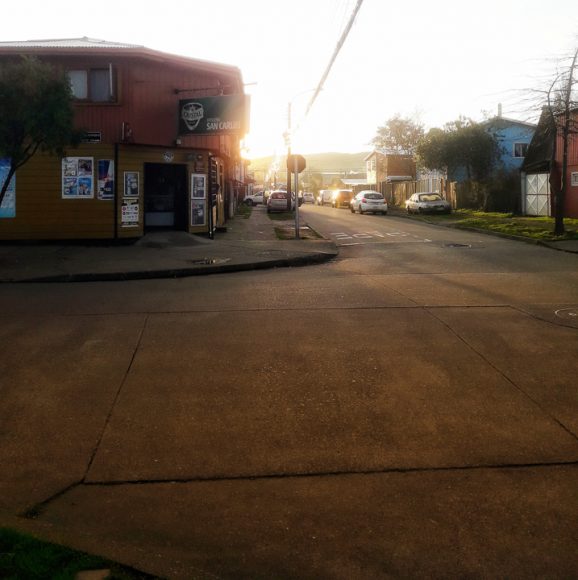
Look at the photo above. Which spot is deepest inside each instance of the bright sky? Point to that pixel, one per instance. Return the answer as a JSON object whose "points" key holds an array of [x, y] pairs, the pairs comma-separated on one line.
{"points": [[434, 59]]}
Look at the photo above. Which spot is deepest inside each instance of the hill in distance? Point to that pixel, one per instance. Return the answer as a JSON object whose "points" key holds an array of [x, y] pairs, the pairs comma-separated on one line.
{"points": [[318, 162]]}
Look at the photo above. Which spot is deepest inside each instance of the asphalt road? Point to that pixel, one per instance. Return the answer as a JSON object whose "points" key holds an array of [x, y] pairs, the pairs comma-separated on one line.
{"points": [[408, 410]]}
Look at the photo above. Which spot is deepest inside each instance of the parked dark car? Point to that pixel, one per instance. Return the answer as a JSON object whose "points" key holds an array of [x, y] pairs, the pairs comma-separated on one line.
{"points": [[342, 197]]}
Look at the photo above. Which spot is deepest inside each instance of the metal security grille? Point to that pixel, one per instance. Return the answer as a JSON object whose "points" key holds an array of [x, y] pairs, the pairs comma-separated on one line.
{"points": [[538, 194]]}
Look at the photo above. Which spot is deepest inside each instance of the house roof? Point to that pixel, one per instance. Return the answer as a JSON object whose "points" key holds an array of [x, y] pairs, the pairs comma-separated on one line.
{"points": [[387, 153], [505, 121], [84, 45], [541, 149], [354, 181], [83, 42]]}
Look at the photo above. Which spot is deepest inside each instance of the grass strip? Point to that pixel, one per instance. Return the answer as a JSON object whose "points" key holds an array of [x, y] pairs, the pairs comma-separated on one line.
{"points": [[25, 557]]}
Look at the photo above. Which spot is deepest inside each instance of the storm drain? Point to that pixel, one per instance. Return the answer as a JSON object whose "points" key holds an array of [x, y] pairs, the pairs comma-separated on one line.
{"points": [[209, 261]]}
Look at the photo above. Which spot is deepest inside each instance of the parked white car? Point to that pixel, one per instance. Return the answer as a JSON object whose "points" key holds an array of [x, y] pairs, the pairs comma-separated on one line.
{"points": [[368, 201], [308, 197], [325, 197], [255, 198], [427, 203]]}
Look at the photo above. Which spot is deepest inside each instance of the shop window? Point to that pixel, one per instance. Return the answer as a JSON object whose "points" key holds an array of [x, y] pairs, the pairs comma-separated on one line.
{"points": [[95, 84]]}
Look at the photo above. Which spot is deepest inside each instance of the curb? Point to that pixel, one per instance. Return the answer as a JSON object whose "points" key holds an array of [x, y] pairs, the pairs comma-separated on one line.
{"points": [[296, 261], [532, 241]]}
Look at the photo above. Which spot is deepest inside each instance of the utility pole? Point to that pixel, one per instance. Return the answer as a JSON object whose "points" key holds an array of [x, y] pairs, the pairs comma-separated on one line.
{"points": [[288, 156]]}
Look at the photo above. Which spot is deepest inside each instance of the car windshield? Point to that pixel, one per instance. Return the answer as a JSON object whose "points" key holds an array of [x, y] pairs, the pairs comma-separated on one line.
{"points": [[430, 197], [373, 196]]}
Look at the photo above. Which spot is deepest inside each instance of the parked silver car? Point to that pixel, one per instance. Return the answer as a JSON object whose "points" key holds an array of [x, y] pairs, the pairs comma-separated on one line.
{"points": [[427, 203], [277, 201], [368, 201]]}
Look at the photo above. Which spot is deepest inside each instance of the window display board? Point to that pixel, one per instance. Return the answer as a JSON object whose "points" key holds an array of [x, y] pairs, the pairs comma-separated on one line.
{"points": [[78, 178], [8, 207], [105, 179]]}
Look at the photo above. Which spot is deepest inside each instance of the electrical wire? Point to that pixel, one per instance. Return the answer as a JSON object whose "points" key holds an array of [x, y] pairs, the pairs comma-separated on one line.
{"points": [[334, 56]]}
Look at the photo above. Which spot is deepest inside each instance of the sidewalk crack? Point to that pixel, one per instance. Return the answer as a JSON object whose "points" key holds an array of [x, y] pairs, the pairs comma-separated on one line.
{"points": [[116, 397]]}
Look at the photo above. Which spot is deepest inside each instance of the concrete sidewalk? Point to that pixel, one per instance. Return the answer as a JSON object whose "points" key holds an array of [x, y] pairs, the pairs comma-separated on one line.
{"points": [[248, 244]]}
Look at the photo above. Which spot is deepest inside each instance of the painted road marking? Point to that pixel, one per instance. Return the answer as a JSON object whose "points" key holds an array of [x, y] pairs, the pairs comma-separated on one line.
{"points": [[374, 235]]}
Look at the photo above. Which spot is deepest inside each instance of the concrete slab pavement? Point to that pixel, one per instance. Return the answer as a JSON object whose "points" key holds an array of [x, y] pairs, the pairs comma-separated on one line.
{"points": [[487, 523], [389, 440], [248, 244]]}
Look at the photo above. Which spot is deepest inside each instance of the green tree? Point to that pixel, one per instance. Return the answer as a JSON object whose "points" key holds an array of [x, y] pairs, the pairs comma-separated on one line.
{"points": [[398, 135], [462, 145], [37, 112]]}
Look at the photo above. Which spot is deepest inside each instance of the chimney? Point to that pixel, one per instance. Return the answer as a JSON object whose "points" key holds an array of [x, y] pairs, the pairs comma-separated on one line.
{"points": [[499, 110]]}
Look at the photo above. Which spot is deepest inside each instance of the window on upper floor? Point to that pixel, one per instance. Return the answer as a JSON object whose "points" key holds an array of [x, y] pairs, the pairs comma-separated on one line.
{"points": [[520, 149], [96, 85]]}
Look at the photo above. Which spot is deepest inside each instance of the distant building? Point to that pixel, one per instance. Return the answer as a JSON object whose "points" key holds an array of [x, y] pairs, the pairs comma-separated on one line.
{"points": [[161, 148], [542, 169], [384, 167]]}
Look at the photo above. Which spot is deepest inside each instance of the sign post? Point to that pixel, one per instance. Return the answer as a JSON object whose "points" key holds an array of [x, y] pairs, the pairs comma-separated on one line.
{"points": [[297, 164], [296, 188]]}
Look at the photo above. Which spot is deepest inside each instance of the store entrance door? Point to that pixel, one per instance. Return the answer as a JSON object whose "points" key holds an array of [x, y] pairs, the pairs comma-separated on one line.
{"points": [[165, 196]]}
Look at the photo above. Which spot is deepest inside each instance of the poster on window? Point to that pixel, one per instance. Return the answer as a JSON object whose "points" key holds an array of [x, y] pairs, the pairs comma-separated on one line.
{"points": [[131, 184], [8, 207], [129, 213], [105, 179], [77, 178], [198, 185], [198, 212]]}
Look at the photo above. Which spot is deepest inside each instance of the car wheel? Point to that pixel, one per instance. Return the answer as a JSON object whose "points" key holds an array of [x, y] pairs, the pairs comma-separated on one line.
{"points": [[360, 210], [351, 209], [383, 213]]}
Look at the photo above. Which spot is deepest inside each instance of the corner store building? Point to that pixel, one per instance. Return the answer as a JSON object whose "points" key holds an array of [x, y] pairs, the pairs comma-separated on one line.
{"points": [[161, 150]]}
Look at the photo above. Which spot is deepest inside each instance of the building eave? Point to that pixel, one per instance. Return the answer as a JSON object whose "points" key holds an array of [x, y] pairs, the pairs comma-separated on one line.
{"points": [[94, 47]]}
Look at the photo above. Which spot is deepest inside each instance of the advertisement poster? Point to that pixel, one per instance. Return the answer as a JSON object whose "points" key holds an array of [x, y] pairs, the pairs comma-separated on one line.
{"points": [[198, 212], [130, 211], [131, 185], [105, 179], [198, 185], [8, 207], [77, 178]]}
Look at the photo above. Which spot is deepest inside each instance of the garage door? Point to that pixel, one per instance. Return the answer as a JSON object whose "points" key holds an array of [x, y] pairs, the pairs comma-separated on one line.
{"points": [[537, 194]]}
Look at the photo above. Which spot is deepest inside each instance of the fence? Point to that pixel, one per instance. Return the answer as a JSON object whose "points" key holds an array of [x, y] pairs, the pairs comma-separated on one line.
{"points": [[501, 194], [397, 192]]}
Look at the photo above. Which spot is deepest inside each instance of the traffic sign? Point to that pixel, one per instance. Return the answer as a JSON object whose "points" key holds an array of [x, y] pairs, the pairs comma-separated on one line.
{"points": [[291, 159]]}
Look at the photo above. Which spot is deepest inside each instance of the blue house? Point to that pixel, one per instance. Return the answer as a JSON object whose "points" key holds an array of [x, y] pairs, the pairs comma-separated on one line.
{"points": [[513, 139]]}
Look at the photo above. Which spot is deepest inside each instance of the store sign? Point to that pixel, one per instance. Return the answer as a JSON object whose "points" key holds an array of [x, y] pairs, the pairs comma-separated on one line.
{"points": [[214, 115], [92, 137]]}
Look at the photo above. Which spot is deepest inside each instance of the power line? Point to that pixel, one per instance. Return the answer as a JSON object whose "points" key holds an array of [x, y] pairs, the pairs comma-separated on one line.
{"points": [[335, 53]]}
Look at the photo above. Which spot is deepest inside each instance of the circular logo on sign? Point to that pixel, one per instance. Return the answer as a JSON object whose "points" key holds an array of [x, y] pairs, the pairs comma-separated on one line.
{"points": [[168, 156], [192, 114]]}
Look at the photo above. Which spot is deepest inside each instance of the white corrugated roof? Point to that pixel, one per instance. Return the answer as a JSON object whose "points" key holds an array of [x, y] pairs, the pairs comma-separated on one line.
{"points": [[83, 42]]}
